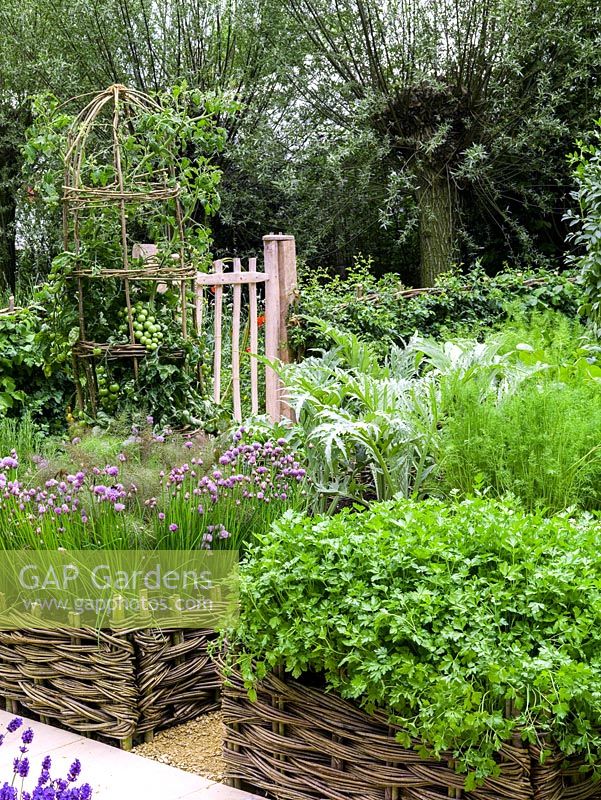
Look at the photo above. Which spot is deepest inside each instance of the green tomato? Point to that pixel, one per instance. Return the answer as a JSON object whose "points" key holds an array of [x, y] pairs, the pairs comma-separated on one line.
{"points": [[103, 391], [97, 351], [114, 388]]}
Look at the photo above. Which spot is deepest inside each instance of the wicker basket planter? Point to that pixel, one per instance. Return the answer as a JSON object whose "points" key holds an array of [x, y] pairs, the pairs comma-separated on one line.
{"points": [[119, 685], [299, 743]]}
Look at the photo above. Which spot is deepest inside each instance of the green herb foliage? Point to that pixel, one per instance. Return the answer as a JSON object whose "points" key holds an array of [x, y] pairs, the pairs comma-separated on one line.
{"points": [[446, 616], [541, 442], [372, 431]]}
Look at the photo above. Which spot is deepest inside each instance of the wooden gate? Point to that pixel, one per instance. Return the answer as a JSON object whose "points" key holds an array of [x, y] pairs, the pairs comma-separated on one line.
{"points": [[280, 288]]}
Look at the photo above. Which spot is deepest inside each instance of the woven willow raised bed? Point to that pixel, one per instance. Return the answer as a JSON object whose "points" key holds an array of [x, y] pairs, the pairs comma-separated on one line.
{"points": [[299, 743], [115, 685]]}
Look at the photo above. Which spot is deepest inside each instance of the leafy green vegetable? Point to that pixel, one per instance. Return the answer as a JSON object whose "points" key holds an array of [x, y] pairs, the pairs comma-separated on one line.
{"points": [[464, 622]]}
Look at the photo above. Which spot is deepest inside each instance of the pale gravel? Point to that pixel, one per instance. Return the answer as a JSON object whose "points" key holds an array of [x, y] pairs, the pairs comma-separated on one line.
{"points": [[195, 747]]}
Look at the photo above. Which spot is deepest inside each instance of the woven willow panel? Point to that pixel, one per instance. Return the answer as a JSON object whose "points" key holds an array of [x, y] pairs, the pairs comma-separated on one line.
{"points": [[116, 685], [299, 743]]}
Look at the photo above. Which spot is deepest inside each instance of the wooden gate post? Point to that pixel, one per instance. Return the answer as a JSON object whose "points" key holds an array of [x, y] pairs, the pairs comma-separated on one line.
{"points": [[272, 326], [280, 293]]}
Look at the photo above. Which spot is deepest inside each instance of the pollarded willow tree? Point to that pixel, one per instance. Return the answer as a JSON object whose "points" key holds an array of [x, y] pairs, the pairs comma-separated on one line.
{"points": [[469, 95]]}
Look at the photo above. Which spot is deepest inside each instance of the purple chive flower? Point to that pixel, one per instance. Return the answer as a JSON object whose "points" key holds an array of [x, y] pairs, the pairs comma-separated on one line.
{"points": [[122, 457], [161, 516], [173, 527], [150, 420], [119, 507], [112, 471], [188, 444]]}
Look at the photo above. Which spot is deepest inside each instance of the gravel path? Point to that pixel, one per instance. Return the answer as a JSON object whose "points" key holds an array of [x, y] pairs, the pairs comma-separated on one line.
{"points": [[195, 747]]}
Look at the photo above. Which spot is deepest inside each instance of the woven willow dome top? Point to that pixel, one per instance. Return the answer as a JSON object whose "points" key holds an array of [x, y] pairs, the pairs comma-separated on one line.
{"points": [[121, 189], [100, 136]]}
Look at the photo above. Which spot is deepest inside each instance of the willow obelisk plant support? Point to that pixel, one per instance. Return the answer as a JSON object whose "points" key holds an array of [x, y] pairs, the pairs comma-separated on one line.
{"points": [[126, 177]]}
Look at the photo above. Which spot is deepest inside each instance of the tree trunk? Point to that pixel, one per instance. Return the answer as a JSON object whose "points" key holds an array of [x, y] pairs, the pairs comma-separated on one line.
{"points": [[436, 203]]}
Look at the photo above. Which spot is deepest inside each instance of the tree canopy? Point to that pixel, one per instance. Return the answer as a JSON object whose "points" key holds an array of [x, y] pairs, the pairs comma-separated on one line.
{"points": [[421, 134]]}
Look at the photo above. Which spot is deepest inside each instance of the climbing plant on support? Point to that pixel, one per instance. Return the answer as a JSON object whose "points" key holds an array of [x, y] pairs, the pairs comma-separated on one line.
{"points": [[135, 179]]}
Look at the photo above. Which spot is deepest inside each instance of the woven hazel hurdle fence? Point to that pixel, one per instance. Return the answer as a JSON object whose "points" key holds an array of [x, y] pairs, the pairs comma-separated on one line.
{"points": [[117, 685], [300, 743]]}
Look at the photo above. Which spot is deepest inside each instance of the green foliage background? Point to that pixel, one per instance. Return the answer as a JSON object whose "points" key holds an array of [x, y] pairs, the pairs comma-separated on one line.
{"points": [[323, 150]]}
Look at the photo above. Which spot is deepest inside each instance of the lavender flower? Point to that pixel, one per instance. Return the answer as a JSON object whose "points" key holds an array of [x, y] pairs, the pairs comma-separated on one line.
{"points": [[46, 788], [74, 771], [21, 767]]}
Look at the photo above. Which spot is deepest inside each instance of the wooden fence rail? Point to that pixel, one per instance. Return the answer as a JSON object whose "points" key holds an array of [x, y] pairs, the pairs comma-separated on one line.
{"points": [[279, 279]]}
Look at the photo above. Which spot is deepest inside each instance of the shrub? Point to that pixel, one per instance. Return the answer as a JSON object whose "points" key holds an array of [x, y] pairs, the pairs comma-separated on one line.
{"points": [[376, 310], [23, 381], [446, 616], [586, 221]]}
